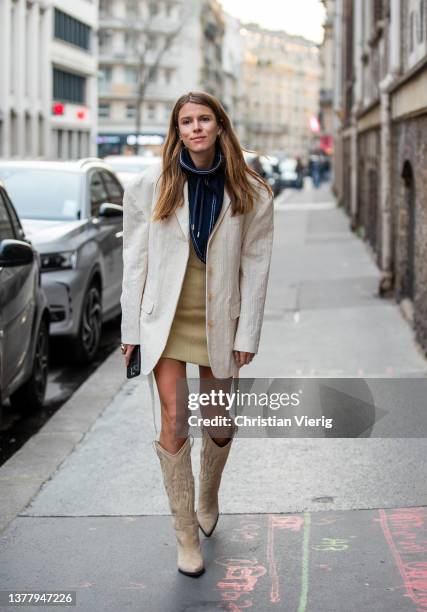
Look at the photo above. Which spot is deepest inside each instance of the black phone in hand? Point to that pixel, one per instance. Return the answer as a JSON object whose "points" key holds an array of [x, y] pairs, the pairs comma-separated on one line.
{"points": [[134, 366]]}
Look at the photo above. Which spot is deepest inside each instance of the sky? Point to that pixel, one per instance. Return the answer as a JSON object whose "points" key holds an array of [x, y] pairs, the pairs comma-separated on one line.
{"points": [[302, 17]]}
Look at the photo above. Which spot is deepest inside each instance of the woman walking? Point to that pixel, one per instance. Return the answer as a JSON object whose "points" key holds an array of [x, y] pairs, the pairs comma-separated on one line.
{"points": [[197, 238]]}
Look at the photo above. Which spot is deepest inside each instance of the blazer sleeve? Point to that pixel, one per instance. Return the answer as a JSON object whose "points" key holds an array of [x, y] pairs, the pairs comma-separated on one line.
{"points": [[254, 270], [135, 261]]}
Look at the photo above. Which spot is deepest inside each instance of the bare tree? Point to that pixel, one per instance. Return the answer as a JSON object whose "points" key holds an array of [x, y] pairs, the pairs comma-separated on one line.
{"points": [[148, 67]]}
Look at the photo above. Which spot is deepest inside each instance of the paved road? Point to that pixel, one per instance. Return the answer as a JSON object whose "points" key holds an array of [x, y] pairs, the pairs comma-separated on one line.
{"points": [[307, 524]]}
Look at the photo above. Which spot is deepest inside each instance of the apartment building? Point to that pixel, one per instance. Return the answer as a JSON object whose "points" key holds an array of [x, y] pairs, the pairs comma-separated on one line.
{"points": [[232, 58], [326, 99], [150, 54], [48, 89], [281, 76]]}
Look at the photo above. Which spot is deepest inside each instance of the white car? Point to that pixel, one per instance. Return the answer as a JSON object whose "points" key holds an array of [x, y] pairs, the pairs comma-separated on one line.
{"points": [[127, 166]]}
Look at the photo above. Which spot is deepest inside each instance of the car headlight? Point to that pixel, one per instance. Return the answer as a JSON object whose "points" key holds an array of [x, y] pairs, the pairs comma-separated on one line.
{"points": [[58, 261]]}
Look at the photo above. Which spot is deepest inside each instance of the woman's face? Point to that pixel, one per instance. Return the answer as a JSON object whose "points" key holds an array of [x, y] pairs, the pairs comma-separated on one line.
{"points": [[198, 127]]}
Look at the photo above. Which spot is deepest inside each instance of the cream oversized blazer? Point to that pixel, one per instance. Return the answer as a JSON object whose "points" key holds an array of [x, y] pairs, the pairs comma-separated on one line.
{"points": [[155, 255]]}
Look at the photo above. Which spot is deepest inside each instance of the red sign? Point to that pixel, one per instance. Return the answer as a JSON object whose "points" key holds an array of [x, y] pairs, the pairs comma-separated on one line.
{"points": [[58, 108], [327, 143]]}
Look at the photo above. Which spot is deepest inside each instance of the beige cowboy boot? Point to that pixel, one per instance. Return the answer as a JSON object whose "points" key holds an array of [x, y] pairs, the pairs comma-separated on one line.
{"points": [[179, 484], [212, 461]]}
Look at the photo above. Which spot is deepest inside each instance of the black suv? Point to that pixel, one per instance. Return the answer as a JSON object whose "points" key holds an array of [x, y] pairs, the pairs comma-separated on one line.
{"points": [[24, 315]]}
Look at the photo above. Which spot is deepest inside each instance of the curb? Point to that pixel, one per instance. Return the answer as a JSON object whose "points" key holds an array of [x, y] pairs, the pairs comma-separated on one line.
{"points": [[22, 476]]}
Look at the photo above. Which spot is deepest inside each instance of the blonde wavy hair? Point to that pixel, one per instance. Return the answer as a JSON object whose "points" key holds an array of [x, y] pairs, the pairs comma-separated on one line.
{"points": [[242, 191]]}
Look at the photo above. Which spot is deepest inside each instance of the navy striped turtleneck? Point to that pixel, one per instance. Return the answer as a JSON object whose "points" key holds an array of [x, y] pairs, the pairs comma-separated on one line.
{"points": [[205, 196]]}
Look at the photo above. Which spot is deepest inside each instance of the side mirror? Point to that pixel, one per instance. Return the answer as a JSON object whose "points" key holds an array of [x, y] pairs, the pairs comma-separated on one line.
{"points": [[15, 253], [110, 210]]}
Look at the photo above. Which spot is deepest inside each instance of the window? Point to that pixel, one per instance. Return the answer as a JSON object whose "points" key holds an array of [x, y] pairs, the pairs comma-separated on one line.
{"points": [[131, 75], [6, 227], [131, 8], [98, 193], [114, 189], [153, 8], [130, 111], [59, 190], [151, 111], [105, 73], [68, 87], [105, 8], [105, 41], [72, 30], [103, 111], [421, 21], [151, 41], [131, 41], [104, 79], [168, 75]]}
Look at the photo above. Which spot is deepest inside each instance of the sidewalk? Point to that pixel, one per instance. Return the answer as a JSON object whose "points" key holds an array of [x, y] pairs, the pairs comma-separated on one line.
{"points": [[306, 524]]}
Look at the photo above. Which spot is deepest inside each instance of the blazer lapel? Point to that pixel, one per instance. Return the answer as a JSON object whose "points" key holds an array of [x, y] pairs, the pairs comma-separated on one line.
{"points": [[225, 205], [183, 214]]}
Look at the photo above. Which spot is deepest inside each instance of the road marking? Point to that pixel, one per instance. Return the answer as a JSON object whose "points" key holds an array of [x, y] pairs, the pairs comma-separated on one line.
{"points": [[305, 563]]}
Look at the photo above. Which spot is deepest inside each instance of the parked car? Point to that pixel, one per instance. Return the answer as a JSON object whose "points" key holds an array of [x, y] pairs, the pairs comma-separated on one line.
{"points": [[267, 168], [24, 315], [289, 174], [126, 166], [72, 212]]}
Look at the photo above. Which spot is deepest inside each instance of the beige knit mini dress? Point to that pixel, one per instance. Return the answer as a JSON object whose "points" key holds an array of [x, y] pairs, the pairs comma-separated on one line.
{"points": [[187, 338]]}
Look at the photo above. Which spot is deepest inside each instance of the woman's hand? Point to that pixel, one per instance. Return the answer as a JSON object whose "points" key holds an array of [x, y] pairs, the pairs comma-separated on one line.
{"points": [[243, 358], [128, 352]]}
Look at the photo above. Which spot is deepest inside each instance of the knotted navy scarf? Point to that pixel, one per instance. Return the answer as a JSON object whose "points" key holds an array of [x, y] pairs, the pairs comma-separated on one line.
{"points": [[205, 196]]}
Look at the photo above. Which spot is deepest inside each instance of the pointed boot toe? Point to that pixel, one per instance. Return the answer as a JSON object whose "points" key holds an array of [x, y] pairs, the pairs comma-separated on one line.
{"points": [[207, 522]]}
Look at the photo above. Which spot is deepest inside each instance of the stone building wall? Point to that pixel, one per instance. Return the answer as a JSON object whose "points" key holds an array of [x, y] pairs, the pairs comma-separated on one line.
{"points": [[369, 178], [409, 176]]}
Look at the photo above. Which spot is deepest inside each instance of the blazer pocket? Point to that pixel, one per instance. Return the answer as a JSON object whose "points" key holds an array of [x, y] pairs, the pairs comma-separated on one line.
{"points": [[235, 310], [147, 304]]}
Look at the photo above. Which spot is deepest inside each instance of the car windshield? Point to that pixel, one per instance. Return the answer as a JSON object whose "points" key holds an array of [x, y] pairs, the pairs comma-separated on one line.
{"points": [[39, 193]]}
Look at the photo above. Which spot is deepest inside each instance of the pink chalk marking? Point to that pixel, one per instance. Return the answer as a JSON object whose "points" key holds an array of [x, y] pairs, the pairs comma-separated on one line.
{"points": [[248, 531], [241, 578], [291, 522], [414, 574]]}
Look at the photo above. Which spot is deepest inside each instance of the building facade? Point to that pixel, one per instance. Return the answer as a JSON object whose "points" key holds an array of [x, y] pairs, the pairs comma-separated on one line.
{"points": [[150, 54], [48, 89], [380, 174], [326, 94], [281, 79], [232, 56]]}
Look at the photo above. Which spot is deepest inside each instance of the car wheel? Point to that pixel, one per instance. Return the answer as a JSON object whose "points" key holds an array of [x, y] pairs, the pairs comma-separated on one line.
{"points": [[86, 344], [30, 396]]}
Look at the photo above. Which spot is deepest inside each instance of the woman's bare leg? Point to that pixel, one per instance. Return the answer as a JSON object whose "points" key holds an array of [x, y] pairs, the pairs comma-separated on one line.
{"points": [[167, 372], [206, 375]]}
